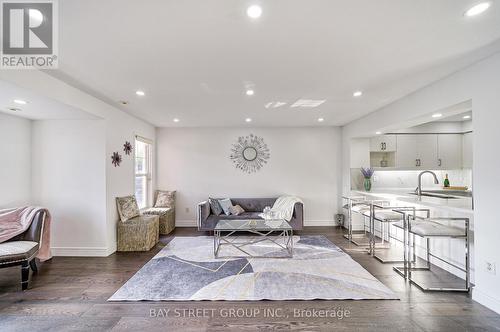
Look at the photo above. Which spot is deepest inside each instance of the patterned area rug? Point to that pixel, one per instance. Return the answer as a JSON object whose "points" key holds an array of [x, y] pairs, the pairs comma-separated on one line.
{"points": [[186, 270]]}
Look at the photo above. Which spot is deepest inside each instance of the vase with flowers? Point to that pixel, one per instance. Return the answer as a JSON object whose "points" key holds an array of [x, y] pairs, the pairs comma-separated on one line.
{"points": [[367, 174]]}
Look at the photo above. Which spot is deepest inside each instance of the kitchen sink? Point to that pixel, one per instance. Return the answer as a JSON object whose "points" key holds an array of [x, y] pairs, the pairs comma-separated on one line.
{"points": [[462, 193], [427, 194]]}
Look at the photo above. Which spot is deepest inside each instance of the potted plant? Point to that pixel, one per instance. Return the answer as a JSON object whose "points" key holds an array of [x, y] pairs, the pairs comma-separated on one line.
{"points": [[367, 174]]}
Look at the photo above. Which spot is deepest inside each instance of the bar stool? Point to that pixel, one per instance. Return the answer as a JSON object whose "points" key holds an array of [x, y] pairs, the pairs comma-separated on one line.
{"points": [[384, 214], [354, 204], [388, 215], [428, 228], [361, 205]]}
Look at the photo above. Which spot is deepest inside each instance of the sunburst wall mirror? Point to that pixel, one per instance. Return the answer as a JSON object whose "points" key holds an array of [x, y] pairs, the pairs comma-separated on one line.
{"points": [[250, 153]]}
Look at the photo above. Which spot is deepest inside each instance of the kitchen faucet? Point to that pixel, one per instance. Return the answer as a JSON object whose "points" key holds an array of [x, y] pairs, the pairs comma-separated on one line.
{"points": [[419, 188]]}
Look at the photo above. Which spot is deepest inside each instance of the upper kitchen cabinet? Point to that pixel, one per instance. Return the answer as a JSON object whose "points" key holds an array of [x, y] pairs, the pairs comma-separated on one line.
{"points": [[449, 151], [406, 153], [383, 143], [417, 151], [427, 151]]}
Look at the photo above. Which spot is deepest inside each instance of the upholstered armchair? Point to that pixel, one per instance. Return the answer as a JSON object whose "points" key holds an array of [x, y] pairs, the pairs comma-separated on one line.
{"points": [[23, 248], [164, 210], [135, 232]]}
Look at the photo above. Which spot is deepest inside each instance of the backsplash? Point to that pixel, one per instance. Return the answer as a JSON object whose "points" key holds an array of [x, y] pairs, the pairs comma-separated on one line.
{"points": [[409, 179]]}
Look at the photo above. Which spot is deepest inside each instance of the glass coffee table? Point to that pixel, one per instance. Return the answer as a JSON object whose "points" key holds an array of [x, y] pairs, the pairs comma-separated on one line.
{"points": [[260, 229]]}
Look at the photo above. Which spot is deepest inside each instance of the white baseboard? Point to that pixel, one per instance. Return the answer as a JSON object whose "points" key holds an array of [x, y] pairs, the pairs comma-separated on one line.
{"points": [[186, 223], [320, 223], [192, 223], [486, 300], [81, 251]]}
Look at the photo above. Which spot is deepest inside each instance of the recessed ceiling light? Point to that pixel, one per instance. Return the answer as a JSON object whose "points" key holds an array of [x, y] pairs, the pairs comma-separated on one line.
{"points": [[437, 115], [477, 9], [357, 94], [248, 120], [307, 103], [176, 120], [140, 93], [321, 119], [254, 11], [466, 116], [123, 102], [20, 101], [14, 109], [250, 92], [378, 133]]}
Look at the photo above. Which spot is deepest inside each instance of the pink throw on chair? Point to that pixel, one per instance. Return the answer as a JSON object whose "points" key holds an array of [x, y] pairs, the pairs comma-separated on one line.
{"points": [[16, 221]]}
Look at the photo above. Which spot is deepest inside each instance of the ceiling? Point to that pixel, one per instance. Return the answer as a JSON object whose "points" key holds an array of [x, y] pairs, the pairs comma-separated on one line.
{"points": [[38, 107], [457, 117], [195, 59]]}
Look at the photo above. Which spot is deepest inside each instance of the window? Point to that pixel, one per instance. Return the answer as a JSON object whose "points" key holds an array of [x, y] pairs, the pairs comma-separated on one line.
{"points": [[143, 170]]}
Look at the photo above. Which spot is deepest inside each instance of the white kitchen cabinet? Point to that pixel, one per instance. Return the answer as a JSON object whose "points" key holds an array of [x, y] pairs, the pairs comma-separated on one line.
{"points": [[427, 151], [417, 151], [449, 151], [431, 151], [406, 153], [467, 150], [383, 143]]}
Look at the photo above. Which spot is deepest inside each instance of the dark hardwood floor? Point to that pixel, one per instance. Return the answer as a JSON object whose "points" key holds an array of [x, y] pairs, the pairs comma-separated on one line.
{"points": [[70, 293]]}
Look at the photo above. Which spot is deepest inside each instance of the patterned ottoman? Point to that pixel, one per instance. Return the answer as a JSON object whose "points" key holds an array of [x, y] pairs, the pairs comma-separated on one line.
{"points": [[138, 234]]}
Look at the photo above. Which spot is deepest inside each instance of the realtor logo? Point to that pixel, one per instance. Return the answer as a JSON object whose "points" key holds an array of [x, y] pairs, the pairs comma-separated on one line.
{"points": [[29, 31]]}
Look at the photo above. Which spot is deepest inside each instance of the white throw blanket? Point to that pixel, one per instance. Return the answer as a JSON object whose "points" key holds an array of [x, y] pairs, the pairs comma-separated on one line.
{"points": [[283, 207]]}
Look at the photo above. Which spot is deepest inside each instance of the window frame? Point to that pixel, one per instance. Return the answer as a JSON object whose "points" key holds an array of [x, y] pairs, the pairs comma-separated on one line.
{"points": [[148, 169]]}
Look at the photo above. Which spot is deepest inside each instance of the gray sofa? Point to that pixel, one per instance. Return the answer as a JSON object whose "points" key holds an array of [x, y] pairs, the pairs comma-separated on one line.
{"points": [[252, 206]]}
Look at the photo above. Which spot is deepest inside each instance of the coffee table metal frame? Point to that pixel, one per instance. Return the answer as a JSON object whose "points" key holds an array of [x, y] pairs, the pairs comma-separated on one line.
{"points": [[283, 240]]}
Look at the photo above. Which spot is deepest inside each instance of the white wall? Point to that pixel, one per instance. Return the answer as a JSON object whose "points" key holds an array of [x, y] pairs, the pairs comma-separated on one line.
{"points": [[15, 161], [120, 180], [478, 83], [69, 179], [304, 162]]}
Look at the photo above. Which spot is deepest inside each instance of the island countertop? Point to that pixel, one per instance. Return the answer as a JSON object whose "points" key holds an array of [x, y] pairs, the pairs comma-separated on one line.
{"points": [[457, 204]]}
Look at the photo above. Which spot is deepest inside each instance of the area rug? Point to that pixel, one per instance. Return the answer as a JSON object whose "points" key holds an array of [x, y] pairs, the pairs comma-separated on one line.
{"points": [[186, 270]]}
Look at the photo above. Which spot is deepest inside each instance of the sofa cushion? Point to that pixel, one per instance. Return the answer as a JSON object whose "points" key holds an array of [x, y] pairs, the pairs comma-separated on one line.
{"points": [[127, 207], [13, 251], [225, 204], [236, 210], [253, 204], [214, 206], [165, 199], [244, 215]]}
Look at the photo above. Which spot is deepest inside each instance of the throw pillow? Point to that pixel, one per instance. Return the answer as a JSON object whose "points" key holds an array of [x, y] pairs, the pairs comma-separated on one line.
{"points": [[215, 206], [236, 210], [165, 199], [127, 207], [225, 204]]}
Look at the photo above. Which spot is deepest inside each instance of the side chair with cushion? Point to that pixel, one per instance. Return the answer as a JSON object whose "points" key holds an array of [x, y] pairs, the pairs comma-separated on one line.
{"points": [[164, 208], [23, 248], [135, 232]]}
